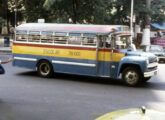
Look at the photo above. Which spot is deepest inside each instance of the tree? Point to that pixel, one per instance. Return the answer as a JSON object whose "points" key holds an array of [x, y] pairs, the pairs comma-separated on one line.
{"points": [[4, 10], [158, 11], [34, 10], [91, 11], [121, 14], [18, 6], [82, 11]]}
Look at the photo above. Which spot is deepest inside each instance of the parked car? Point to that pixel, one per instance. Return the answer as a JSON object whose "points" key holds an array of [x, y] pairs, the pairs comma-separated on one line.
{"points": [[156, 50]]}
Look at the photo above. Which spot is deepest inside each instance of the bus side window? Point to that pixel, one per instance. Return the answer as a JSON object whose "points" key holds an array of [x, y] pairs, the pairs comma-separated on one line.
{"points": [[21, 36], [102, 41], [108, 42], [89, 39], [34, 36], [74, 38], [46, 37], [60, 38]]}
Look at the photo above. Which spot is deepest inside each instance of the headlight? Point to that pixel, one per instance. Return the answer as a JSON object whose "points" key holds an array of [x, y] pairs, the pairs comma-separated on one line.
{"points": [[157, 59], [147, 62]]}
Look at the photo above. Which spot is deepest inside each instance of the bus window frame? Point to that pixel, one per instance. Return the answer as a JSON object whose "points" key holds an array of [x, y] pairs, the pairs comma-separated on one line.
{"points": [[31, 33]]}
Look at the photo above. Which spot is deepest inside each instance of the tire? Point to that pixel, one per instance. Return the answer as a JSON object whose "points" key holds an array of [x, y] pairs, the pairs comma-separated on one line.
{"points": [[146, 79], [44, 69], [131, 76]]}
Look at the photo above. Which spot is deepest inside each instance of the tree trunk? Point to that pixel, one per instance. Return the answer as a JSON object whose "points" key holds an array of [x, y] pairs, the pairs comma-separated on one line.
{"points": [[148, 18], [146, 32]]}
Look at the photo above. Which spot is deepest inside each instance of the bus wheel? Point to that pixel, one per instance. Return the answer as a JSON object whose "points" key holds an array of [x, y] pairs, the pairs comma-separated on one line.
{"points": [[44, 69], [131, 76]]}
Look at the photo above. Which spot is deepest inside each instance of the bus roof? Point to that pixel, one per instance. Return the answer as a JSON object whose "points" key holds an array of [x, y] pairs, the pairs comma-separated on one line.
{"points": [[127, 33], [78, 28]]}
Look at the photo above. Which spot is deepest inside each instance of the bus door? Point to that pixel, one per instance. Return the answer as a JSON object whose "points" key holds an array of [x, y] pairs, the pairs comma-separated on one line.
{"points": [[116, 56], [104, 57]]}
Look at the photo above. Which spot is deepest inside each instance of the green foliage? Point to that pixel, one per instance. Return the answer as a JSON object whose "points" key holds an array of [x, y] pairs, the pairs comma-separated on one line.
{"points": [[158, 11], [34, 10], [49, 3], [82, 11], [91, 11]]}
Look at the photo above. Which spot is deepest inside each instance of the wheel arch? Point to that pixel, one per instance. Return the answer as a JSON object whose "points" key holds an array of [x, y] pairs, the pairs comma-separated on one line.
{"points": [[41, 60], [123, 66]]}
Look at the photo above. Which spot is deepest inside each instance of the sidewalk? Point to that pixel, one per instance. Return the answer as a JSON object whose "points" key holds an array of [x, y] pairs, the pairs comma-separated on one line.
{"points": [[3, 49]]}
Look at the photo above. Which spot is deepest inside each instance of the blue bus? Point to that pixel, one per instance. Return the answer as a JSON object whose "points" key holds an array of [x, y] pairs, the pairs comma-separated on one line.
{"points": [[92, 50]]}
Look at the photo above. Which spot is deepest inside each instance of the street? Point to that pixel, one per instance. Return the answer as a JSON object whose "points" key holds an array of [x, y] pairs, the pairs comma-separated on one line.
{"points": [[26, 96]]}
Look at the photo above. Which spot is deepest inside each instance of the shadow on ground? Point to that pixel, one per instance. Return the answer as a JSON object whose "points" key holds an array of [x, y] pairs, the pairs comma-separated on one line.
{"points": [[97, 80]]}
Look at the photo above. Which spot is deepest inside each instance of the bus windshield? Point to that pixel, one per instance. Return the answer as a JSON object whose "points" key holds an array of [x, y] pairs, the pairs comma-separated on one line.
{"points": [[122, 42]]}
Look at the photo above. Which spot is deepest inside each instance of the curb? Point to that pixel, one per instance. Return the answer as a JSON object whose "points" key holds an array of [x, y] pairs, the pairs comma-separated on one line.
{"points": [[5, 50]]}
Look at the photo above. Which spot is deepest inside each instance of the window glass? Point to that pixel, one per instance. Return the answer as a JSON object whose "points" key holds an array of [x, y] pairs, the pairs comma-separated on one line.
{"points": [[47, 33], [156, 49], [60, 34], [60, 39], [89, 35], [34, 36], [21, 32], [89, 39], [46, 38], [21, 35], [75, 40], [34, 32], [101, 41], [122, 42], [74, 34]]}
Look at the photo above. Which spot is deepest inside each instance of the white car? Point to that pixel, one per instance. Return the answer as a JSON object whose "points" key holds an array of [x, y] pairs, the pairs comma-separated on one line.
{"points": [[158, 51]]}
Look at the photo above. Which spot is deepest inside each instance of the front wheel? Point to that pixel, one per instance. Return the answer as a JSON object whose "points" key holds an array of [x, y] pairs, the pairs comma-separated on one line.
{"points": [[44, 69], [131, 76]]}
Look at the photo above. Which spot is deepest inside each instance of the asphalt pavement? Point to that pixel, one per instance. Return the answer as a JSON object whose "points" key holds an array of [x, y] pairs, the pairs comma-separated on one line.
{"points": [[26, 96]]}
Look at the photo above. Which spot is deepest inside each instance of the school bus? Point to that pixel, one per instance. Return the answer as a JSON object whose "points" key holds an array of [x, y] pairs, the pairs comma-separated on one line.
{"points": [[92, 50]]}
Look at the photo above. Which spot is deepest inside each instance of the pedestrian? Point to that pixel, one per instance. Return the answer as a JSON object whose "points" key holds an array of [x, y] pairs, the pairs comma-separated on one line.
{"points": [[2, 70], [12, 32]]}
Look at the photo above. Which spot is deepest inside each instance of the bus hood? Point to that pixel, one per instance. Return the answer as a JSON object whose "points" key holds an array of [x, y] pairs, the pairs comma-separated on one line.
{"points": [[138, 53], [151, 57]]}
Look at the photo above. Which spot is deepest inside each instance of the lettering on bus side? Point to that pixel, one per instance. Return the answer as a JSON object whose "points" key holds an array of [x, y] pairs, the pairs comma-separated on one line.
{"points": [[74, 53], [47, 51]]}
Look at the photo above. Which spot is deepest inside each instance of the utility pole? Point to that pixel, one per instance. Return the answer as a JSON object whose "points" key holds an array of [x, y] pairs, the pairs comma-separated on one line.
{"points": [[15, 22], [15, 13], [131, 20]]}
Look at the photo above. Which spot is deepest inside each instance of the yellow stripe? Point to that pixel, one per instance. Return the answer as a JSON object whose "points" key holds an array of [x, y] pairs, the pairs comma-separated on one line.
{"points": [[66, 53]]}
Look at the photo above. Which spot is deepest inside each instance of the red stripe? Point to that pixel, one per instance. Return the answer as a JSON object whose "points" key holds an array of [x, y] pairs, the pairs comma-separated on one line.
{"points": [[54, 46], [67, 47], [110, 50]]}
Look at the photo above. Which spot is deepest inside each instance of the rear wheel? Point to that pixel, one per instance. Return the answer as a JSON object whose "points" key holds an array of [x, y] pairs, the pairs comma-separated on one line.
{"points": [[44, 69], [131, 76]]}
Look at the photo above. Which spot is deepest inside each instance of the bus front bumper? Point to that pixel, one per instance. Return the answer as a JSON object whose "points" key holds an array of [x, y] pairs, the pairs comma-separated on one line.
{"points": [[149, 74]]}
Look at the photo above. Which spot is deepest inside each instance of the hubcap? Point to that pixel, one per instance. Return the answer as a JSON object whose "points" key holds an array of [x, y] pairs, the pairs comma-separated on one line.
{"points": [[44, 68], [131, 77]]}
